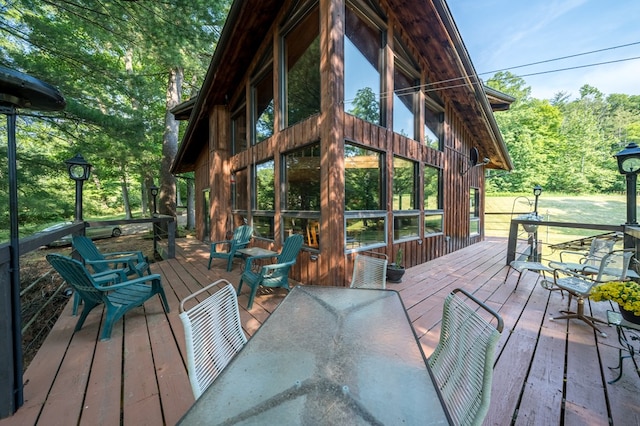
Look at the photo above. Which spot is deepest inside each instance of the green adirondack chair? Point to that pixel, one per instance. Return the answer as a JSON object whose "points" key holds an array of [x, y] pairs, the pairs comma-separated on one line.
{"points": [[132, 262], [117, 297], [274, 275], [241, 237]]}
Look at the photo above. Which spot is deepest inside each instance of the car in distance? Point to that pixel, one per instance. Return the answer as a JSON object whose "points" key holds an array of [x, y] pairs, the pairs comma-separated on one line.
{"points": [[93, 232]]}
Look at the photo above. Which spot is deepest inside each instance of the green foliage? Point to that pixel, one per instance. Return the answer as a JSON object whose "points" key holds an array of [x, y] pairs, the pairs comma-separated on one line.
{"points": [[563, 145]]}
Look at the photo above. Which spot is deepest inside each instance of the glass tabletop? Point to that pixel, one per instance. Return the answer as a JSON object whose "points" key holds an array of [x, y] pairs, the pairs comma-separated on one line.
{"points": [[327, 355]]}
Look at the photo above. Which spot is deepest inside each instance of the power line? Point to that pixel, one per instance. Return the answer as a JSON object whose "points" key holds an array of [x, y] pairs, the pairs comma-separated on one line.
{"points": [[562, 57]]}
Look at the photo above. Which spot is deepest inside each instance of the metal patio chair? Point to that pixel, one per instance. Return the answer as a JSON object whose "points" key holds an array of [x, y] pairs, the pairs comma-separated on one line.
{"points": [[462, 362], [612, 267], [118, 298], [241, 237], [579, 261], [369, 271], [273, 275], [213, 334]]}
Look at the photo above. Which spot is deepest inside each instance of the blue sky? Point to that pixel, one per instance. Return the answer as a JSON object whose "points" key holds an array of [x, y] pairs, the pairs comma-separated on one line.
{"points": [[501, 34]]}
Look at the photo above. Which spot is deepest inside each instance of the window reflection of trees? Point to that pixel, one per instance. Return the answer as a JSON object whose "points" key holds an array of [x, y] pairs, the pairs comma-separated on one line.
{"points": [[263, 107], [302, 49], [303, 178], [265, 190], [363, 179], [404, 188]]}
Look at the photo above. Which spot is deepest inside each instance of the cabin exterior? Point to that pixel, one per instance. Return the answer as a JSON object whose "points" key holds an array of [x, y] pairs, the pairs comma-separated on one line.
{"points": [[360, 124]]}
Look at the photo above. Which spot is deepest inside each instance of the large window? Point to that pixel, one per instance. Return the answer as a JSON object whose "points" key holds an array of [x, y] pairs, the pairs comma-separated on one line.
{"points": [[474, 211], [365, 219], [239, 129], [433, 213], [406, 81], [302, 61], [406, 223], [362, 63], [240, 201], [301, 209], [433, 124], [262, 116], [264, 207]]}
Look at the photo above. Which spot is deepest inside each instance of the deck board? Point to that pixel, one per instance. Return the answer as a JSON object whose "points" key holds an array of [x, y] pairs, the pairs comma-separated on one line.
{"points": [[139, 376]]}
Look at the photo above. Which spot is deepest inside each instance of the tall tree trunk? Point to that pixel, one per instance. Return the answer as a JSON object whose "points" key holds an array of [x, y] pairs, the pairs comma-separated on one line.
{"points": [[167, 204], [125, 197]]}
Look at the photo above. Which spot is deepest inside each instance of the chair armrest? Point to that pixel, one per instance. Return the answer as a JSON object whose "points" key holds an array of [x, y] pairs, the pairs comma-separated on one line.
{"points": [[266, 269], [215, 244], [136, 255], [108, 276], [576, 253], [138, 280]]}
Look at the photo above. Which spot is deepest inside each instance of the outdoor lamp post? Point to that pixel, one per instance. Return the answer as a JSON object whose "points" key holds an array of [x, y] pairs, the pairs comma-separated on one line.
{"points": [[154, 194], [79, 170], [537, 190], [629, 165]]}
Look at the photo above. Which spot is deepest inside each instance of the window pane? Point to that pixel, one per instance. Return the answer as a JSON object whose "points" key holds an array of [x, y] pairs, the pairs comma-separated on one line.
{"points": [[308, 227], [363, 178], [432, 224], [362, 47], [263, 107], [239, 129], [263, 227], [431, 188], [302, 47], [474, 226], [473, 202], [404, 188], [403, 103], [406, 227], [302, 179], [363, 232], [265, 186], [239, 190], [433, 128]]}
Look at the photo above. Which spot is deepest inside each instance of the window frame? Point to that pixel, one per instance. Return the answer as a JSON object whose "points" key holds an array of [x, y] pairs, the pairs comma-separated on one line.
{"points": [[439, 210], [474, 211], [262, 213]]}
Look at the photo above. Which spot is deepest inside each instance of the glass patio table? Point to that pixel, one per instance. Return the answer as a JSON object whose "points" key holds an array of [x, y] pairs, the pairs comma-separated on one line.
{"points": [[327, 355]]}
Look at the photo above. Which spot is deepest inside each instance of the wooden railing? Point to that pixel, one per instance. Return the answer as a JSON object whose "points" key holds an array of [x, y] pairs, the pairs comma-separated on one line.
{"points": [[164, 235]]}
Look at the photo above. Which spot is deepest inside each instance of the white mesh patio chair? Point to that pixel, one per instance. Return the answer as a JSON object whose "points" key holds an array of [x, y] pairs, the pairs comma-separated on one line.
{"points": [[213, 334], [369, 272], [462, 363], [613, 266]]}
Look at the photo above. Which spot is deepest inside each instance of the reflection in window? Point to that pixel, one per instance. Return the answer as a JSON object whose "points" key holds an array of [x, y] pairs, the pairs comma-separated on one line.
{"points": [[365, 222], [264, 201], [406, 216], [263, 227], [474, 211], [365, 231], [433, 214], [302, 179], [239, 190], [406, 226], [265, 186], [302, 56], [263, 106], [362, 62], [363, 178], [404, 184], [406, 80], [433, 126], [305, 224], [239, 129]]}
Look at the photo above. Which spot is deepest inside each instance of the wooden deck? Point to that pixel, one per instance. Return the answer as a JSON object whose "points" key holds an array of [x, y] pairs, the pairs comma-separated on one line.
{"points": [[547, 372]]}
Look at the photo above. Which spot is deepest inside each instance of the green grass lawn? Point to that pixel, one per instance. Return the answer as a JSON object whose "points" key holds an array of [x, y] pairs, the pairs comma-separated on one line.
{"points": [[597, 209]]}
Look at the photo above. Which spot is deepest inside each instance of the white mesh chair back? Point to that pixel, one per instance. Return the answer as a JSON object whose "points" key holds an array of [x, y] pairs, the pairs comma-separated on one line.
{"points": [[462, 363], [213, 334], [369, 272]]}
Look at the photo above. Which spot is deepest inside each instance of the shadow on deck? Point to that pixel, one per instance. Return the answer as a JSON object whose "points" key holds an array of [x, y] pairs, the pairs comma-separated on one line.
{"points": [[546, 372]]}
